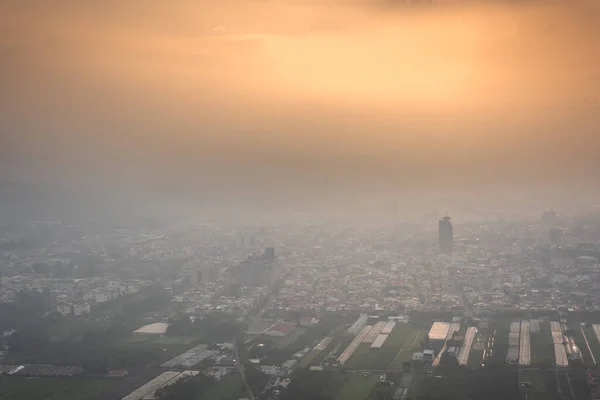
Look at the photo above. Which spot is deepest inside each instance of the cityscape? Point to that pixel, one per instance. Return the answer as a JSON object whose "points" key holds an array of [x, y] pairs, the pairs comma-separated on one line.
{"points": [[299, 200], [395, 311]]}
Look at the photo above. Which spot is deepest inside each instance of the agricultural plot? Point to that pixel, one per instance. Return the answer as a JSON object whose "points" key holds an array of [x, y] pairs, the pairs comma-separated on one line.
{"points": [[357, 387], [542, 346], [540, 385], [366, 357], [13, 388], [230, 387], [398, 336], [400, 345], [411, 345]]}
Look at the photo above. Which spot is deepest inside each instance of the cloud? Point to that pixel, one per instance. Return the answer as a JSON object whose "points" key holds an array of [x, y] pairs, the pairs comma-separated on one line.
{"points": [[185, 84], [216, 29]]}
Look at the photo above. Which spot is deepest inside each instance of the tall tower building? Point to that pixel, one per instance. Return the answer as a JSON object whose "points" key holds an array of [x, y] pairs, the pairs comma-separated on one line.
{"points": [[195, 277], [446, 235]]}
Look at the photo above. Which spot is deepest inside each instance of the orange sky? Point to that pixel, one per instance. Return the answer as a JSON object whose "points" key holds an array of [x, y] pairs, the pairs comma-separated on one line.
{"points": [[151, 90]]}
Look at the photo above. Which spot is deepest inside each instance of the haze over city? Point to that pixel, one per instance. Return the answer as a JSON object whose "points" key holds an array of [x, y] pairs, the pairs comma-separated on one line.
{"points": [[299, 200], [302, 97]]}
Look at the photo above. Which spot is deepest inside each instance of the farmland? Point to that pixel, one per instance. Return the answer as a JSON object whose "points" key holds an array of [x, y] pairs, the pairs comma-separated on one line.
{"points": [[402, 342], [17, 388], [357, 388]]}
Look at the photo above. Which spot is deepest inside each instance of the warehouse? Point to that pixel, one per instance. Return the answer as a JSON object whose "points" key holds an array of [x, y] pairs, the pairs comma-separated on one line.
{"points": [[379, 341], [358, 325], [374, 332], [439, 331], [437, 335], [157, 328], [388, 328]]}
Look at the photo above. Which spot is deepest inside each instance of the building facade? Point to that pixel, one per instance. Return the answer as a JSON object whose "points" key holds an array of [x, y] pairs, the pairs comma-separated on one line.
{"points": [[446, 235]]}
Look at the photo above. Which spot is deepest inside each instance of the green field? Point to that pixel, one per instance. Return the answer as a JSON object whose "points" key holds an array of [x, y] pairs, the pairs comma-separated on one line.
{"points": [[17, 388], [411, 345], [146, 350], [535, 378], [399, 347], [398, 335], [357, 388]]}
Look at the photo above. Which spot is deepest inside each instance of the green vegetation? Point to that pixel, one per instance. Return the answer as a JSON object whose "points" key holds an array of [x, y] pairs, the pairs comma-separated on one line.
{"points": [[411, 345], [228, 388], [579, 383], [542, 347], [402, 343], [494, 382], [201, 387], [357, 387], [367, 358], [17, 388], [90, 341], [323, 385], [398, 335], [535, 378]]}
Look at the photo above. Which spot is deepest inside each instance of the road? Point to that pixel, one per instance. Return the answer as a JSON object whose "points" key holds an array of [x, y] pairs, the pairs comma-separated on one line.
{"points": [[240, 369], [588, 345]]}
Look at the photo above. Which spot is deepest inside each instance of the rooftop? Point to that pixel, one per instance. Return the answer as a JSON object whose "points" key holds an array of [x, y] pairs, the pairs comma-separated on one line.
{"points": [[157, 328]]}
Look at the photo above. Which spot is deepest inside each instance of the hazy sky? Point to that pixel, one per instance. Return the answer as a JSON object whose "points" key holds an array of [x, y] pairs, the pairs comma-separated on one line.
{"points": [[300, 94]]}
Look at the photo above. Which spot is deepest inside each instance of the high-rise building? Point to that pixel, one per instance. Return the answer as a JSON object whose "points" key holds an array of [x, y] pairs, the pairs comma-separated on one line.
{"points": [[256, 270], [269, 253], [209, 274], [195, 277], [446, 235], [205, 274]]}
